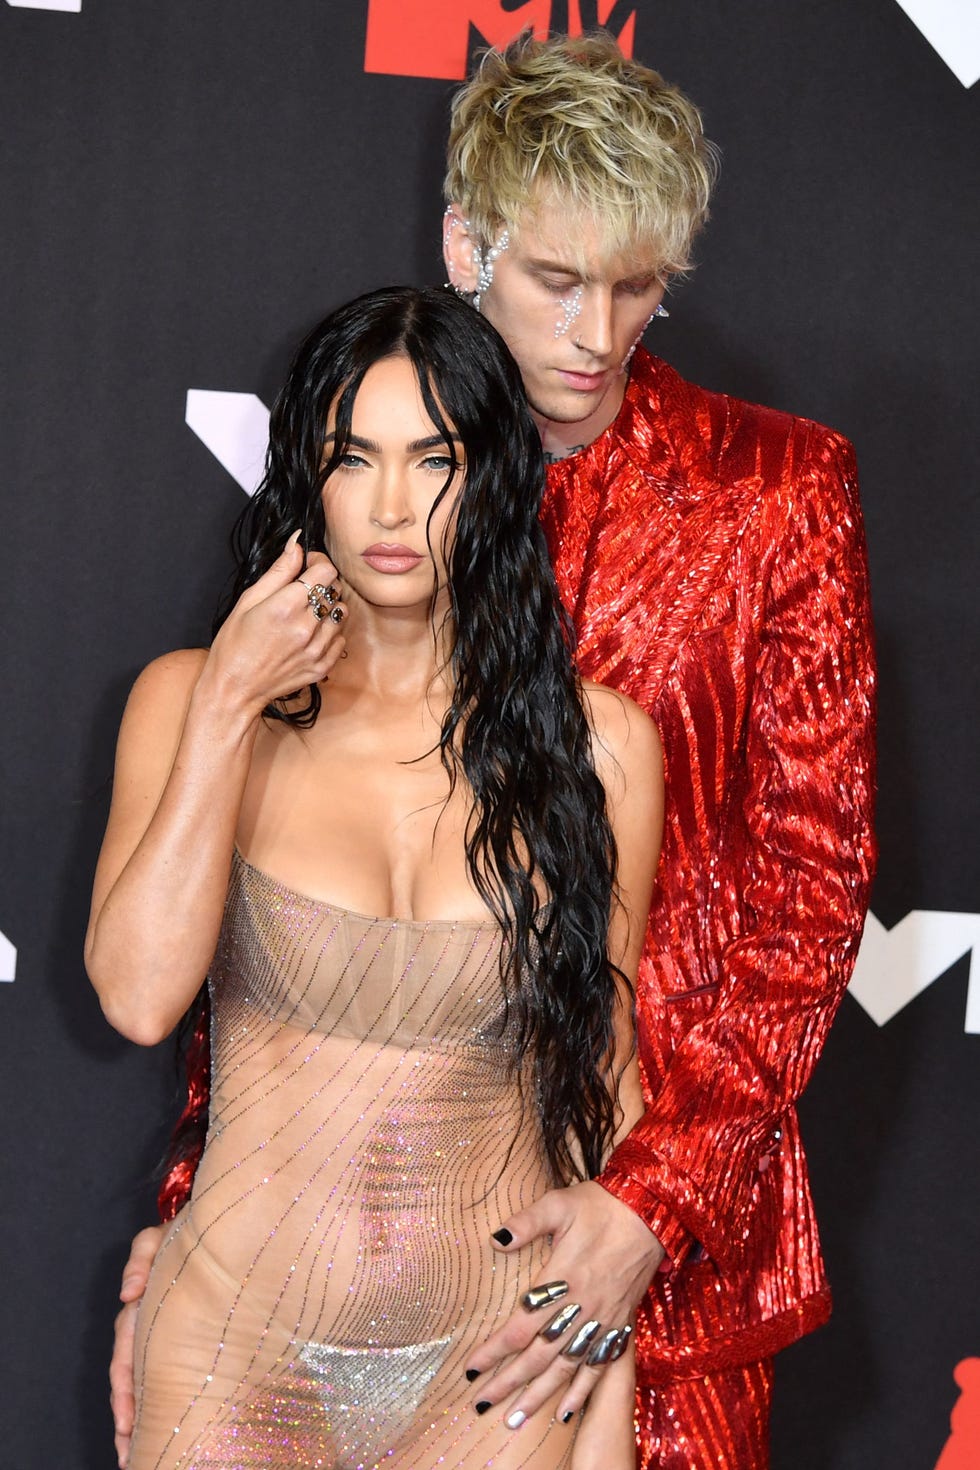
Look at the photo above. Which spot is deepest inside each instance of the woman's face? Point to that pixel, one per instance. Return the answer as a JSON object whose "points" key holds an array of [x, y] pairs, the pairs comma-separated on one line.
{"points": [[377, 502]]}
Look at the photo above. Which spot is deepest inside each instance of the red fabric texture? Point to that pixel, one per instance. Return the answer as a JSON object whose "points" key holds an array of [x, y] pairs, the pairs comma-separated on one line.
{"points": [[719, 1421], [712, 556]]}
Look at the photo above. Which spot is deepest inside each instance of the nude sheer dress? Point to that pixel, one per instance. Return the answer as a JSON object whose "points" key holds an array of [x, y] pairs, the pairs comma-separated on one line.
{"points": [[315, 1301]]}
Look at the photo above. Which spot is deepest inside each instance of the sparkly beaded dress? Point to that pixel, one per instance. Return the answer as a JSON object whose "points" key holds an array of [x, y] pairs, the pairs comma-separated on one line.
{"points": [[314, 1302]]}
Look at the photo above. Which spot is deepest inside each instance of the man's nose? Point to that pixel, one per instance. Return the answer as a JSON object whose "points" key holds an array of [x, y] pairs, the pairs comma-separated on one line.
{"points": [[595, 326]]}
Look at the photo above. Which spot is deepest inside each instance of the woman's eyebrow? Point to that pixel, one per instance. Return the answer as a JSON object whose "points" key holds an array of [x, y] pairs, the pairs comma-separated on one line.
{"points": [[433, 441], [356, 442]]}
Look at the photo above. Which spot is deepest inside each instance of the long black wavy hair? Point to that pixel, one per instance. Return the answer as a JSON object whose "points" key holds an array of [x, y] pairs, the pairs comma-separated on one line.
{"points": [[515, 729]]}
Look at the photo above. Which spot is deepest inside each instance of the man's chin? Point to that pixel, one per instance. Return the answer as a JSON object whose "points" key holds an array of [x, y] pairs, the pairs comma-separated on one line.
{"points": [[568, 406]]}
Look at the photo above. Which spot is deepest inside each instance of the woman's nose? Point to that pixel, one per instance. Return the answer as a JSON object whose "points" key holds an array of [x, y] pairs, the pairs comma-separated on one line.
{"points": [[392, 506]]}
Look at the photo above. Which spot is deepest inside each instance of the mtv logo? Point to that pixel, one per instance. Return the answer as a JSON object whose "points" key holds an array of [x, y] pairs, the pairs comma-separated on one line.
{"points": [[235, 427], [895, 965], [434, 38], [952, 28], [8, 959], [73, 5], [962, 1449]]}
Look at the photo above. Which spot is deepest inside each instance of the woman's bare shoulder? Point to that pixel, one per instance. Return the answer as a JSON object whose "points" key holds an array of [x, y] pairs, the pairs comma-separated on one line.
{"points": [[170, 675], [158, 700], [622, 730]]}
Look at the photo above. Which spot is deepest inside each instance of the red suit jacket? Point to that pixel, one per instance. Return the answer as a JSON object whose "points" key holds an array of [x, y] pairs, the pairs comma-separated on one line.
{"points": [[711, 554]]}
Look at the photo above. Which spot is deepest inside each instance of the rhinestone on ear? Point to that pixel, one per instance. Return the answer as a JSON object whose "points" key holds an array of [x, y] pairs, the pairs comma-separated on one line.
{"points": [[485, 263], [658, 311]]}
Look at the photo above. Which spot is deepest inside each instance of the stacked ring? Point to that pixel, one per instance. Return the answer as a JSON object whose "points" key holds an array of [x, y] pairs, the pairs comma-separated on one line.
{"points": [[582, 1340], [320, 599], [562, 1319], [611, 1345]]}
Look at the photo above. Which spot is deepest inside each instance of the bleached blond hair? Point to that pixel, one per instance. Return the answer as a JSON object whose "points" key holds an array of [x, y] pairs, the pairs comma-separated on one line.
{"points": [[574, 122]]}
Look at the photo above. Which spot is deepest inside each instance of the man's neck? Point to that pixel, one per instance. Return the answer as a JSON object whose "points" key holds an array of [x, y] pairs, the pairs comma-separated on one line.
{"points": [[560, 440]]}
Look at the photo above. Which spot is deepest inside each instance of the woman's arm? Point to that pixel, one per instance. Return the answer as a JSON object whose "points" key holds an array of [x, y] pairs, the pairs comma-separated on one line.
{"points": [[629, 760], [606, 1438], [181, 766]]}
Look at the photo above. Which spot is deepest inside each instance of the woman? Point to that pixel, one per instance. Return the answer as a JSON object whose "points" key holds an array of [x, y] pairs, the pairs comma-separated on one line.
{"points": [[385, 1089]]}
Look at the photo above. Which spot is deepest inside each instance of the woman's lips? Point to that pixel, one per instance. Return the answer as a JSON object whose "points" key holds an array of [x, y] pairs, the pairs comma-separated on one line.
{"points": [[391, 558]]}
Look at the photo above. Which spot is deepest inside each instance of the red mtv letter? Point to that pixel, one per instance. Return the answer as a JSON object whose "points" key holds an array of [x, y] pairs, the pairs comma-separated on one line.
{"points": [[962, 1451], [430, 38]]}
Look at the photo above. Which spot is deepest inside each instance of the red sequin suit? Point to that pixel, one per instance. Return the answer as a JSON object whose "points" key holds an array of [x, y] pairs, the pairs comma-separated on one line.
{"points": [[712, 556]]}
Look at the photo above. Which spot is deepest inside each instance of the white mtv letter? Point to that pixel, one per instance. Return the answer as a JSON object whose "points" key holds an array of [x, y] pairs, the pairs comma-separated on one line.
{"points": [[235, 427], [895, 965], [8, 959], [952, 27], [73, 5]]}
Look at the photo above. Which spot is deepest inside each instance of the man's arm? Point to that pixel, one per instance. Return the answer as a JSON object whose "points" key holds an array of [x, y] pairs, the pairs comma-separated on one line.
{"points": [[807, 864], [688, 1167]]}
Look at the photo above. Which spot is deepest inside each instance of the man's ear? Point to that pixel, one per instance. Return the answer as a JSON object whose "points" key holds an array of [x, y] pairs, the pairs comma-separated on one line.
{"points": [[459, 250]]}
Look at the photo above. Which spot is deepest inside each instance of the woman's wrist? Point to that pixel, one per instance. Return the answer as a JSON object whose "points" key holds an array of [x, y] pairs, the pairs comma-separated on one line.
{"points": [[222, 706]]}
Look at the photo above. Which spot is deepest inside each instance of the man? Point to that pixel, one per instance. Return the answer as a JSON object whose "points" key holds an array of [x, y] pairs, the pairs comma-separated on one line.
{"points": [[711, 555]]}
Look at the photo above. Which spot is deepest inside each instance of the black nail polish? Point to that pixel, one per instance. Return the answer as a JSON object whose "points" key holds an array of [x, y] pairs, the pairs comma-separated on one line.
{"points": [[483, 1406], [472, 1374], [566, 1418], [502, 1236]]}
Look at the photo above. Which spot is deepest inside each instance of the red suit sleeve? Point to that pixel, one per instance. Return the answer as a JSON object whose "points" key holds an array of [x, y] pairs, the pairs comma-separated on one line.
{"points": [[798, 874]]}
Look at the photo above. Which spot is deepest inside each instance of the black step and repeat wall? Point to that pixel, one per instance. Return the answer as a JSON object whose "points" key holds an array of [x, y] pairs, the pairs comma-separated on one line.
{"points": [[186, 185]]}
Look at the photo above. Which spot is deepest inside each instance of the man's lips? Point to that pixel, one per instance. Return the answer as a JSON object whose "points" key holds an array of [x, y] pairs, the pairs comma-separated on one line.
{"points": [[584, 382], [385, 556]]}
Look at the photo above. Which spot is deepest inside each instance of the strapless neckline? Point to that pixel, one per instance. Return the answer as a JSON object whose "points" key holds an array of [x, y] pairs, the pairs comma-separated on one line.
{"points": [[389, 922]]}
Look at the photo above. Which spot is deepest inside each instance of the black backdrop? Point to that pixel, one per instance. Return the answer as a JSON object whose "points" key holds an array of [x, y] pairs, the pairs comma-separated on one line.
{"points": [[185, 186]]}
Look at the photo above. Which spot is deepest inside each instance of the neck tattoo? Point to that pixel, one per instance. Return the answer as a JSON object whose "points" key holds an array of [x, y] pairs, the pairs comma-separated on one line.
{"points": [[555, 456]]}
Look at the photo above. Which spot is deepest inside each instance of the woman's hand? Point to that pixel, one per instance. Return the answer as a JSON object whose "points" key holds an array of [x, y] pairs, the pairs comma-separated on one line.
{"points": [[272, 642], [122, 1393], [606, 1438], [608, 1256]]}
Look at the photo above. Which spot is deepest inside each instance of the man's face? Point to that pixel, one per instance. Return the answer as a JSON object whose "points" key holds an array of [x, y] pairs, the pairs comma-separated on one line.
{"points": [[570, 329]]}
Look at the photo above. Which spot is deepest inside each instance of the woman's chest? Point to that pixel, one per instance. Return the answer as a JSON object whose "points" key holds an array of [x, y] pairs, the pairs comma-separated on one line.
{"points": [[362, 819]]}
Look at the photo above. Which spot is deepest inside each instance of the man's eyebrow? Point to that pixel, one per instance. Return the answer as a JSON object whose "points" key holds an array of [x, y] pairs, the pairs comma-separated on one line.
{"points": [[433, 441], [557, 267]]}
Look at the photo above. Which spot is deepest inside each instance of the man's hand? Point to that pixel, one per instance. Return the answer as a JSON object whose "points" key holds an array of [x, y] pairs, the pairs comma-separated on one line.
{"points": [[608, 1257], [122, 1397]]}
